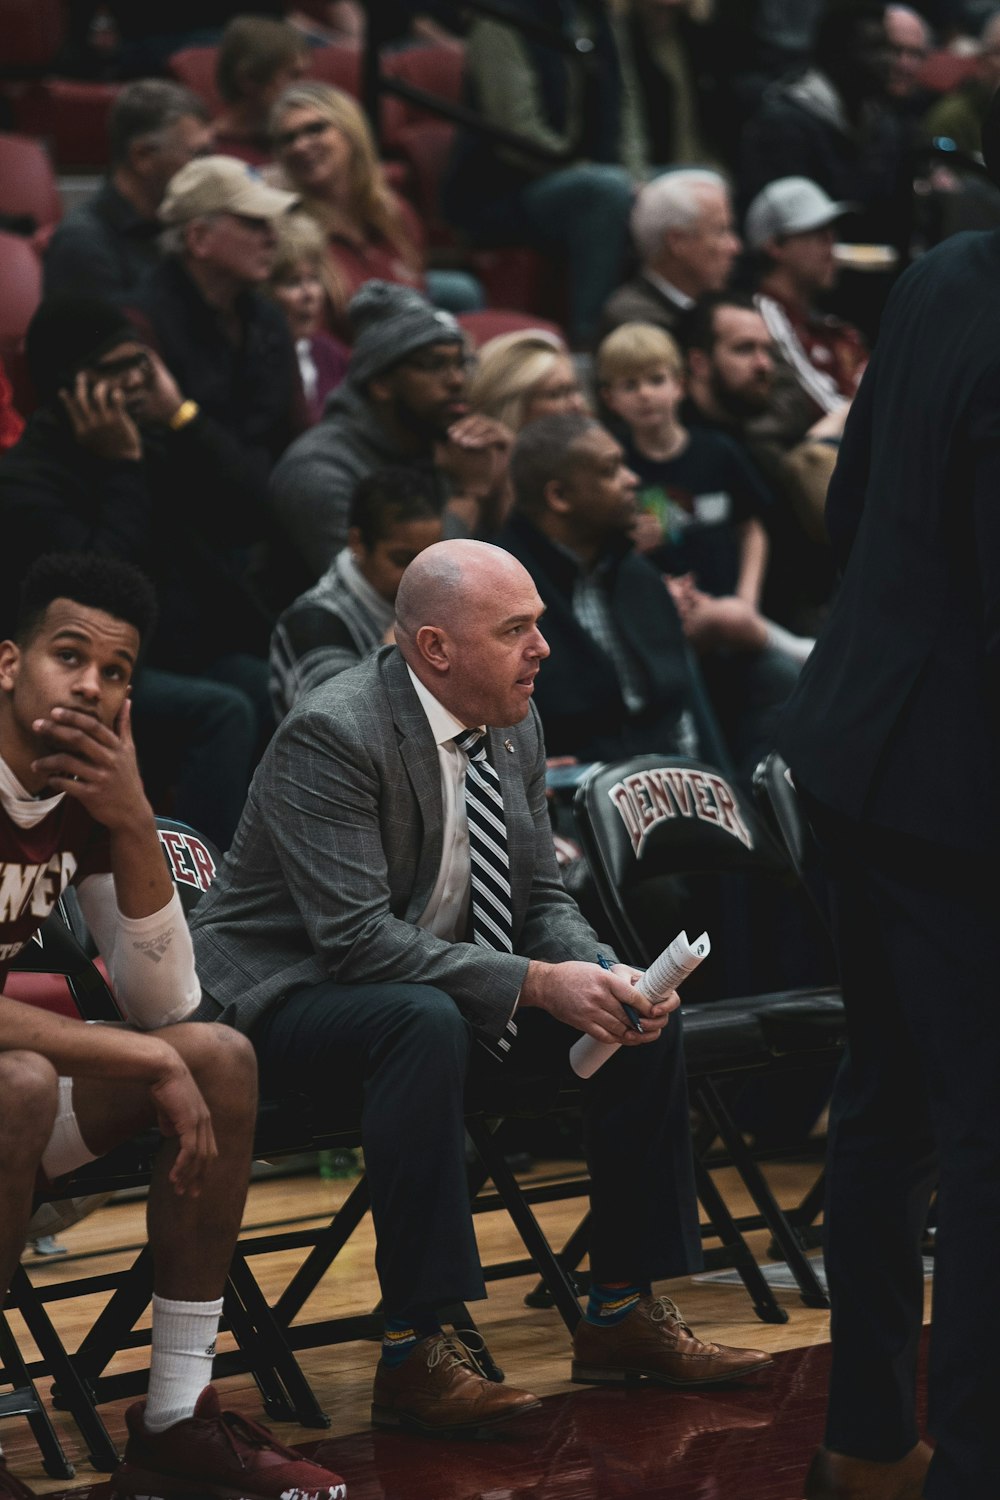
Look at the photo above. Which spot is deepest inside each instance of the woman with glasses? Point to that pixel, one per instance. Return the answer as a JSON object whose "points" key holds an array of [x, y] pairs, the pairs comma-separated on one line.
{"points": [[522, 376], [325, 148]]}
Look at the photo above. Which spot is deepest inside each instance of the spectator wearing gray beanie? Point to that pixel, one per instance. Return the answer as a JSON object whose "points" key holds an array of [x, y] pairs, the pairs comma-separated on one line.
{"points": [[403, 402], [387, 323]]}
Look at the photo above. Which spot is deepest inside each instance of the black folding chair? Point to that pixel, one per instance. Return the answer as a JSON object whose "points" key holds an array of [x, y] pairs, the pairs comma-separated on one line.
{"points": [[662, 835]]}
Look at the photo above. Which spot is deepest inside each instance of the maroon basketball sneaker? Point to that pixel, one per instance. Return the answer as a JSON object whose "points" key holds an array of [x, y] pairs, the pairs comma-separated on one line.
{"points": [[216, 1455]]}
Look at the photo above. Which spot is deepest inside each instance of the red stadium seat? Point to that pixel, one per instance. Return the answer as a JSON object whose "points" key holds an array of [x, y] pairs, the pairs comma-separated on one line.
{"points": [[513, 277], [194, 67], [945, 70], [425, 149], [437, 70], [20, 294], [27, 181], [340, 66], [20, 290], [517, 276], [71, 116], [493, 321]]}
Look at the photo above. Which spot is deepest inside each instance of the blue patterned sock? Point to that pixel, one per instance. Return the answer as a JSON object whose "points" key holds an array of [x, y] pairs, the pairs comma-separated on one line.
{"points": [[610, 1302], [402, 1335]]}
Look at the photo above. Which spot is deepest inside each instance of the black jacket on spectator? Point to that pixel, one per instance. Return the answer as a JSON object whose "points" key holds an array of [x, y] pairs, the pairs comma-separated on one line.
{"points": [[180, 514], [252, 389], [800, 130], [577, 691], [102, 248]]}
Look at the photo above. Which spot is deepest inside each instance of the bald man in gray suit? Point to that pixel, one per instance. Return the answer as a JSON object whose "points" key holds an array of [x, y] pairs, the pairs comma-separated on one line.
{"points": [[343, 936]]}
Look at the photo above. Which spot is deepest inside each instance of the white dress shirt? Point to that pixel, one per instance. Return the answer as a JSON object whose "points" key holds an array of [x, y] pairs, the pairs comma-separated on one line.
{"points": [[447, 912], [677, 297]]}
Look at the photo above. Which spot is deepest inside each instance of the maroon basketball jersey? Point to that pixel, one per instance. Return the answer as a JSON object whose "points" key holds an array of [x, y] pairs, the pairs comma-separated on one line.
{"points": [[36, 864]]}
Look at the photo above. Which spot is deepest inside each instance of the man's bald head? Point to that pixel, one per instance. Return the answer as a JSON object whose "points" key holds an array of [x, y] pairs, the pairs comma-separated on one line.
{"points": [[467, 626], [448, 580]]}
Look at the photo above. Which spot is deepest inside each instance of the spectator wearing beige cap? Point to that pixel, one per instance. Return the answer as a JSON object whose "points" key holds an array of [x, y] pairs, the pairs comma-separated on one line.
{"points": [[226, 344], [790, 227]]}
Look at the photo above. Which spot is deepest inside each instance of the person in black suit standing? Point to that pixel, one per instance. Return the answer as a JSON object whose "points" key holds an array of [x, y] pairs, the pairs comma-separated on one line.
{"points": [[893, 737]]}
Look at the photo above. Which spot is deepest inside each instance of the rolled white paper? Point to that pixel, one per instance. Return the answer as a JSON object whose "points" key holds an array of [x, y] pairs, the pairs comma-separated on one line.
{"points": [[673, 966], [664, 974]]}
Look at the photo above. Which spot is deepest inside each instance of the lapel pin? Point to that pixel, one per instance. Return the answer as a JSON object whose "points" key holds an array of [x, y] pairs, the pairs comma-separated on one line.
{"points": [[508, 746]]}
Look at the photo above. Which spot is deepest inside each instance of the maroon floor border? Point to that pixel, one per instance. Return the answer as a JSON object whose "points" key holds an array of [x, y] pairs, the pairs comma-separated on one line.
{"points": [[749, 1442]]}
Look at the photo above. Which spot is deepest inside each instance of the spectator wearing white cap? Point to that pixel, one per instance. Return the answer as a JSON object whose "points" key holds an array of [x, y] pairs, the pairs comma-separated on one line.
{"points": [[790, 227]]}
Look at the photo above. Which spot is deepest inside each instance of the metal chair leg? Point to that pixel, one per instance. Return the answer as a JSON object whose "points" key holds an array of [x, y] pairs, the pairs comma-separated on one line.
{"points": [[24, 1401]]}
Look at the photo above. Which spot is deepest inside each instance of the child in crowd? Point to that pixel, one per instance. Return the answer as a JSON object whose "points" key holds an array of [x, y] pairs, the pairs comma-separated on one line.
{"points": [[701, 505], [296, 285], [396, 512], [700, 500]]}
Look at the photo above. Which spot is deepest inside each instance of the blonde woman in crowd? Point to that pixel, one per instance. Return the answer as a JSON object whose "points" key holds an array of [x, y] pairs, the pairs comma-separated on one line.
{"points": [[327, 154], [522, 376]]}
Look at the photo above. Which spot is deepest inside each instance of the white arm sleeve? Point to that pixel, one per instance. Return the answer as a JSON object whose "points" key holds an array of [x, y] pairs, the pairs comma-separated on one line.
{"points": [[150, 960]]}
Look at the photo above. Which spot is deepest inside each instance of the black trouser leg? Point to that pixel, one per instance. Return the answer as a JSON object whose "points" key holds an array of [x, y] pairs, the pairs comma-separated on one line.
{"points": [[408, 1045], [919, 1099]]}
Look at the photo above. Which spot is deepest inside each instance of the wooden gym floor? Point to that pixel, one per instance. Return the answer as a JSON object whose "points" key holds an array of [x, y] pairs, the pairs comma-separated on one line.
{"points": [[738, 1443]]}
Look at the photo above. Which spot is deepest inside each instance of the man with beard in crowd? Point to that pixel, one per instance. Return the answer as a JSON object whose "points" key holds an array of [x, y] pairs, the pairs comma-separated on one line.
{"points": [[738, 385], [403, 402]]}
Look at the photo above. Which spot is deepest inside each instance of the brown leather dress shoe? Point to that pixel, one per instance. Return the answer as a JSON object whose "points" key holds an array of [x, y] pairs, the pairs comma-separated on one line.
{"points": [[654, 1343], [441, 1391], [835, 1476]]}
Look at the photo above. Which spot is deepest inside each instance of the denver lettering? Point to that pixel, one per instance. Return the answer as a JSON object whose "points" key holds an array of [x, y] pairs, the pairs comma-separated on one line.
{"points": [[33, 887], [650, 797], [188, 859]]}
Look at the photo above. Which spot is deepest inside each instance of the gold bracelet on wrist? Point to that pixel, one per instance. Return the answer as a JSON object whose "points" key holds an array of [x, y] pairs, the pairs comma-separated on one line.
{"points": [[185, 413]]}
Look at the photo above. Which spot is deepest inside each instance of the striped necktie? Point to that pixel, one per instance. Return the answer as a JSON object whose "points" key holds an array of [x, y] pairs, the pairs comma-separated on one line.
{"points": [[488, 861]]}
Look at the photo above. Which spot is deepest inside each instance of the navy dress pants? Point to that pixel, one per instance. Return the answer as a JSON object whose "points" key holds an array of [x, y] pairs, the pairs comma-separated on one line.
{"points": [[408, 1057], [916, 1105]]}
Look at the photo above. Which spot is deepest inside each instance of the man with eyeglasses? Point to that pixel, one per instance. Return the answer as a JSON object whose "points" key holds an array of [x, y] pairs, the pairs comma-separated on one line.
{"points": [[224, 341], [404, 401], [909, 38]]}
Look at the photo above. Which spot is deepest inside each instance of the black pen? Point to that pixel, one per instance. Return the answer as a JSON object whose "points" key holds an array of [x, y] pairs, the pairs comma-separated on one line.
{"points": [[631, 1014]]}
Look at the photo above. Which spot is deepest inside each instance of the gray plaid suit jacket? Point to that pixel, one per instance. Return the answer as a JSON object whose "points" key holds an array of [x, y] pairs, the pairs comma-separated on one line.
{"points": [[338, 850]]}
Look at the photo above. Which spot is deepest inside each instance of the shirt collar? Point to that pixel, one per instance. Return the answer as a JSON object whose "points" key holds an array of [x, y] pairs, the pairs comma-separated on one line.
{"points": [[673, 293], [444, 725], [20, 806], [344, 569]]}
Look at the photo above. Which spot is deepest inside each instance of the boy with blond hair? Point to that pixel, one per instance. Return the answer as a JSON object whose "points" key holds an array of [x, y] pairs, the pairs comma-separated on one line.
{"points": [[701, 505]]}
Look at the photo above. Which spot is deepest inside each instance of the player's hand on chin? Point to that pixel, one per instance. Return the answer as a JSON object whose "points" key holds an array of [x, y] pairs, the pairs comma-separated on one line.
{"points": [[93, 763]]}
